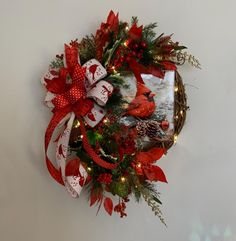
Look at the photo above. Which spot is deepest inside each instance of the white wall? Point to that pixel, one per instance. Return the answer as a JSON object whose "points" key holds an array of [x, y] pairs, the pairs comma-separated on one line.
{"points": [[200, 199]]}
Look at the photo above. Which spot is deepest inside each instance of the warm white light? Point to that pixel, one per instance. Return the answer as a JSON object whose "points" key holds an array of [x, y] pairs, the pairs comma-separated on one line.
{"points": [[77, 125], [138, 165], [175, 138], [105, 120], [114, 69], [81, 136], [126, 43], [123, 179], [176, 88]]}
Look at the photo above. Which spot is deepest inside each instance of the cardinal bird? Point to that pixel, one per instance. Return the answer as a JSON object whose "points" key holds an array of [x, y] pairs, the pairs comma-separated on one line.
{"points": [[93, 69], [143, 104]]}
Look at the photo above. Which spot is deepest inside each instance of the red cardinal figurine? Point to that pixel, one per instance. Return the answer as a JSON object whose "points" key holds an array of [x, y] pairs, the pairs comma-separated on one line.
{"points": [[143, 104]]}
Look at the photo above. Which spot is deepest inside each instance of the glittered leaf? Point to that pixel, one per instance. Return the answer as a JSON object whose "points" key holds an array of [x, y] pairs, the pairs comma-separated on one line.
{"points": [[156, 200], [108, 205], [95, 196]]}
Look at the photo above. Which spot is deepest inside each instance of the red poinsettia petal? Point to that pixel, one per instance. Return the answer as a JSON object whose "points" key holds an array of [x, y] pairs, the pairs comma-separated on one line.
{"points": [[113, 20], [135, 32], [155, 173], [72, 167], [108, 205], [150, 156]]}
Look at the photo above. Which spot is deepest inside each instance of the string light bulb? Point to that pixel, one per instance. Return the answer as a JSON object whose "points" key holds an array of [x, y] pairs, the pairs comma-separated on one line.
{"points": [[114, 69], [181, 112], [123, 179], [138, 165], [105, 120], [77, 125], [89, 169], [81, 136], [175, 138], [176, 88], [126, 43]]}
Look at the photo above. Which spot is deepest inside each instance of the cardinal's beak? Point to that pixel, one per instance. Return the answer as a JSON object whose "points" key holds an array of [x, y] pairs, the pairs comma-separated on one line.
{"points": [[152, 94]]}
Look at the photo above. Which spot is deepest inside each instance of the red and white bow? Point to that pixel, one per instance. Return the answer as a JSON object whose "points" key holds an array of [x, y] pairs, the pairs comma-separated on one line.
{"points": [[74, 91]]}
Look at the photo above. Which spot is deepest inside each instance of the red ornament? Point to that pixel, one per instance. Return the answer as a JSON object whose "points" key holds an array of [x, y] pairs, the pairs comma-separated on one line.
{"points": [[165, 125]]}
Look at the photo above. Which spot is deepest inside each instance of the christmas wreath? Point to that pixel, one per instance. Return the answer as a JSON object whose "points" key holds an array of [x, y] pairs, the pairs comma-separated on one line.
{"points": [[118, 105]]}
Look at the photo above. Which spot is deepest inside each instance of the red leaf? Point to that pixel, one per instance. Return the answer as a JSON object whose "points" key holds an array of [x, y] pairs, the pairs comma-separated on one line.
{"points": [[150, 156], [155, 173], [95, 196], [108, 205]]}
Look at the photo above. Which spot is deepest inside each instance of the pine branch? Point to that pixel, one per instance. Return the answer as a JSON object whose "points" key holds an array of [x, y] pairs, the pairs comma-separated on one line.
{"points": [[87, 48], [153, 204], [134, 20], [57, 63], [148, 192], [148, 32]]}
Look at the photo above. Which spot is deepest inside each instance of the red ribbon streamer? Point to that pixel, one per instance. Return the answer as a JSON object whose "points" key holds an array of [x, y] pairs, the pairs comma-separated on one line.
{"points": [[139, 69]]}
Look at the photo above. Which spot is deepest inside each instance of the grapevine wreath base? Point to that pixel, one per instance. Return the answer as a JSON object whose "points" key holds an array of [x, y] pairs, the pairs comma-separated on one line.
{"points": [[118, 105]]}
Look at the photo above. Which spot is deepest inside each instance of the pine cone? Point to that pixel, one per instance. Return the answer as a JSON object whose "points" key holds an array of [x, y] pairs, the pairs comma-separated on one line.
{"points": [[141, 128], [150, 128], [153, 129]]}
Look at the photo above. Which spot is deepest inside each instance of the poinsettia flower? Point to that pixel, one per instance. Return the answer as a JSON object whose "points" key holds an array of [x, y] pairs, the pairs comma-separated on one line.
{"points": [[135, 32], [103, 34], [113, 21], [149, 157], [143, 165]]}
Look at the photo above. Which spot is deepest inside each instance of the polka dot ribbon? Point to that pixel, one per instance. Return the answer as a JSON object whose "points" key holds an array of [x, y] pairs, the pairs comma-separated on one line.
{"points": [[76, 92]]}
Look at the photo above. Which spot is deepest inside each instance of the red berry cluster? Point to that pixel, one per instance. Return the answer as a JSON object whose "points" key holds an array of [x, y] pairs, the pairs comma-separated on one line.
{"points": [[120, 208], [105, 178], [130, 49]]}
